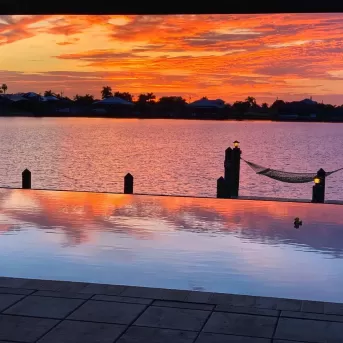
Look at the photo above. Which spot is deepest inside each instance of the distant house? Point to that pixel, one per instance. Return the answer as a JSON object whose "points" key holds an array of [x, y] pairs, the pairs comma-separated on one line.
{"points": [[206, 103], [308, 102]]}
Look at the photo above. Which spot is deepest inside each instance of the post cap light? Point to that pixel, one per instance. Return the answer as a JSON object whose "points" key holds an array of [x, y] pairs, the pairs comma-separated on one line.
{"points": [[236, 144], [316, 180]]}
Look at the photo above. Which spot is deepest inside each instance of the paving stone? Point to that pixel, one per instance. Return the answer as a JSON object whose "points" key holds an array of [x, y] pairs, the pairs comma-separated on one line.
{"points": [[218, 338], [333, 308], [246, 310], [53, 285], [122, 299], [155, 293], [278, 304], [179, 304], [70, 295], [5, 290], [312, 306], [199, 297], [107, 312], [233, 299], [241, 324], [12, 282], [173, 318], [309, 330], [94, 288], [44, 307], [136, 334], [7, 300], [83, 332], [313, 316], [24, 329]]}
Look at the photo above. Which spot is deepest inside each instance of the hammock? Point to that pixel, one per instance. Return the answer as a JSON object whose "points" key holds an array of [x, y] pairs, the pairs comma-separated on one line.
{"points": [[285, 176]]}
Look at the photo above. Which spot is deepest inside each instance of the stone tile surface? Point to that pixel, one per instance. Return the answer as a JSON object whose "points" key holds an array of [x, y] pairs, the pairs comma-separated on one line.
{"points": [[136, 334], [233, 299], [180, 304], [94, 288], [218, 338], [278, 304], [199, 297], [312, 306], [12, 282], [7, 290], [7, 300], [122, 299], [156, 293], [173, 318], [70, 295], [83, 332], [246, 310], [309, 330], [333, 308], [52, 285], [313, 316], [24, 329], [241, 324], [107, 312], [44, 307]]}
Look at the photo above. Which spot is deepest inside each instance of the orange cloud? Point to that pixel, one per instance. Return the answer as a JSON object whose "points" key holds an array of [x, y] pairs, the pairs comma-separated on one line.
{"points": [[227, 56]]}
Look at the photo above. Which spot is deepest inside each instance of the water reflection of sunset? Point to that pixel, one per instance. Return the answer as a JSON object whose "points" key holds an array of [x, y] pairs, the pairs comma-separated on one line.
{"points": [[212, 244]]}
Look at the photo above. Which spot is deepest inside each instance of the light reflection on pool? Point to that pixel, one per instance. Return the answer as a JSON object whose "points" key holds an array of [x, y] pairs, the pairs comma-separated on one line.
{"points": [[235, 246]]}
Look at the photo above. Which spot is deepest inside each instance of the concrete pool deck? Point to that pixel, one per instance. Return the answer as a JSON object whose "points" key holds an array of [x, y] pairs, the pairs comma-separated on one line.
{"points": [[47, 311]]}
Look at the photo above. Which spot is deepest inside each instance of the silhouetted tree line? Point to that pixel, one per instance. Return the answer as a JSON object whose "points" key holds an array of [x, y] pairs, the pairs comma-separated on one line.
{"points": [[147, 106]]}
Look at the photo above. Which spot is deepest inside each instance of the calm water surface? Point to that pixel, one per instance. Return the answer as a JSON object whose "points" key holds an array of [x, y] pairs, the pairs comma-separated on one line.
{"points": [[165, 156], [237, 246]]}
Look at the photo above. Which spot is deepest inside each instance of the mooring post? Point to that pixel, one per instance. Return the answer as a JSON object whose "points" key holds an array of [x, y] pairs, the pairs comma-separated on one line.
{"points": [[222, 190], [26, 179], [318, 189], [236, 166], [226, 183], [128, 184]]}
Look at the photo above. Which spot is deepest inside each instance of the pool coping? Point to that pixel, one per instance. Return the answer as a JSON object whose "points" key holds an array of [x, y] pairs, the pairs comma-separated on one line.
{"points": [[195, 316]]}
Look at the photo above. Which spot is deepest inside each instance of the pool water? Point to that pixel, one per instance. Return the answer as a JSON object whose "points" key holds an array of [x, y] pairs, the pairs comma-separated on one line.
{"points": [[234, 246]]}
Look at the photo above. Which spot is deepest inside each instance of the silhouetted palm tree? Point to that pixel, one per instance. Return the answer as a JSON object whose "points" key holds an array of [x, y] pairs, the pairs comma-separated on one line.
{"points": [[124, 95], [49, 93], [251, 100], [4, 88], [106, 92]]}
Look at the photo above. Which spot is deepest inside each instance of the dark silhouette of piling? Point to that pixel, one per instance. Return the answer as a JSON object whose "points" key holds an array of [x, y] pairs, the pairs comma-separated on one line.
{"points": [[26, 179], [128, 184], [318, 189]]}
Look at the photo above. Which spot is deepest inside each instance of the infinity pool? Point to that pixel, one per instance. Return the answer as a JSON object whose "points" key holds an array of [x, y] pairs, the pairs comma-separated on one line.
{"points": [[235, 246]]}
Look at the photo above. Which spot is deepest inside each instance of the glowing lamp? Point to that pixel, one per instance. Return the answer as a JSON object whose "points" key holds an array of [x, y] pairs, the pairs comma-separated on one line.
{"points": [[236, 144], [316, 180]]}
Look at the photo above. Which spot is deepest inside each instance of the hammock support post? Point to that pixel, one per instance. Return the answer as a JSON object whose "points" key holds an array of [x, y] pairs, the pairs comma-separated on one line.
{"points": [[236, 167], [318, 189]]}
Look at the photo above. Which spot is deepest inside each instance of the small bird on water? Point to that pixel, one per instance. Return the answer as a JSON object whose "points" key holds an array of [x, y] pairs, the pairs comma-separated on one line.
{"points": [[297, 223]]}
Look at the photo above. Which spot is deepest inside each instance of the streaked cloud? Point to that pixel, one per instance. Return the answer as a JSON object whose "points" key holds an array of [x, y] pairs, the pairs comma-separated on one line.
{"points": [[227, 56]]}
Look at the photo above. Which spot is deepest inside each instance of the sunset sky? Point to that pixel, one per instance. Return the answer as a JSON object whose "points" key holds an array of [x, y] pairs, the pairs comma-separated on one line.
{"points": [[289, 56]]}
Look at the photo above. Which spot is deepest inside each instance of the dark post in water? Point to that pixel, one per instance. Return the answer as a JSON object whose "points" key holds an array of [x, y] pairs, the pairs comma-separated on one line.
{"points": [[222, 190], [128, 184], [235, 170], [318, 190], [26, 179], [226, 183]]}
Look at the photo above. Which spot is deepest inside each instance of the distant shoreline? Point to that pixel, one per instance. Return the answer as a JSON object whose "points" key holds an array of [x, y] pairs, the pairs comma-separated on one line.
{"points": [[293, 120]]}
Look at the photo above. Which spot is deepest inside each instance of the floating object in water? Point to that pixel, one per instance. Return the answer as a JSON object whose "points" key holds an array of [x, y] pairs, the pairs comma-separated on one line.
{"points": [[297, 223]]}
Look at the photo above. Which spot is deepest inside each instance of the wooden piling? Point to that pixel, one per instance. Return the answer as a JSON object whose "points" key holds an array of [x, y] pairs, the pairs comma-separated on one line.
{"points": [[318, 189], [128, 184], [26, 179]]}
